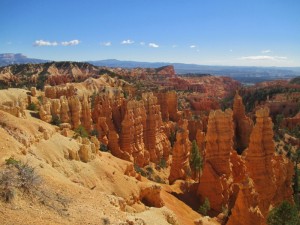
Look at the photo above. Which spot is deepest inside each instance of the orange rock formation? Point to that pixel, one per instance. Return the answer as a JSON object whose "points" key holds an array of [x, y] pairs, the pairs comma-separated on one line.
{"points": [[246, 210], [132, 135], [215, 181], [155, 139], [168, 105], [243, 124], [134, 129], [180, 167], [263, 166]]}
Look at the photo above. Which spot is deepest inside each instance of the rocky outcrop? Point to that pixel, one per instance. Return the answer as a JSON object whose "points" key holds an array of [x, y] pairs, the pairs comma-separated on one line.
{"points": [[85, 152], [200, 140], [194, 126], [45, 111], [217, 174], [180, 166], [128, 128], [86, 117], [259, 157], [64, 110], [75, 111], [172, 105], [155, 139], [132, 133], [262, 165], [150, 195], [168, 105], [58, 91], [102, 117], [166, 71], [246, 210], [14, 108], [67, 110], [243, 124], [96, 142], [292, 122], [219, 140], [163, 102], [33, 91]]}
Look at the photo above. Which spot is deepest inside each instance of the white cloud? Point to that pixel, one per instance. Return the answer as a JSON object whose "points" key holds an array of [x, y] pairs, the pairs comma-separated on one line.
{"points": [[107, 44], [142, 43], [193, 46], [264, 57], [266, 51], [153, 45], [127, 42], [69, 43], [39, 43]]}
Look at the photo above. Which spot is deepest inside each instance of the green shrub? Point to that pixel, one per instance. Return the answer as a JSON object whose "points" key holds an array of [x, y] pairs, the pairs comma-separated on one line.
{"points": [[196, 159], [205, 207], [32, 106], [40, 99], [140, 170], [149, 169], [94, 133], [103, 147], [12, 161], [158, 179], [55, 120], [17, 175], [80, 130], [162, 163], [284, 214]]}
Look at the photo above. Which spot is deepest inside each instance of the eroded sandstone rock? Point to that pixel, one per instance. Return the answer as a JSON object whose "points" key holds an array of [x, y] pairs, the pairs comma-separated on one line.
{"points": [[217, 174], [155, 139], [243, 124], [246, 210], [180, 167], [263, 166]]}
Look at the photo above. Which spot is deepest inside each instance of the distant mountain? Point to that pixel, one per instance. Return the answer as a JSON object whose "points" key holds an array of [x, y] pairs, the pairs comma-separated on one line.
{"points": [[183, 68], [244, 74], [127, 64], [10, 58]]}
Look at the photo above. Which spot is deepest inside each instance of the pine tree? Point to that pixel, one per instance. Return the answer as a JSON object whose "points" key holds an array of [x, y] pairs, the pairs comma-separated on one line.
{"points": [[284, 214], [196, 160]]}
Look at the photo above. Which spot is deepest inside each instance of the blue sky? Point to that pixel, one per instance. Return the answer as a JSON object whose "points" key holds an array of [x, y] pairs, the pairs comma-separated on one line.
{"points": [[210, 32]]}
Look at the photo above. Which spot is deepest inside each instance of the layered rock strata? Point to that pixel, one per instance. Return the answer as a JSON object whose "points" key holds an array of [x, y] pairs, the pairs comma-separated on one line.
{"points": [[155, 139], [217, 173], [168, 105], [132, 133], [180, 167], [246, 210], [263, 166], [133, 129]]}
